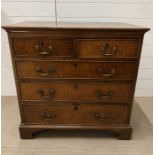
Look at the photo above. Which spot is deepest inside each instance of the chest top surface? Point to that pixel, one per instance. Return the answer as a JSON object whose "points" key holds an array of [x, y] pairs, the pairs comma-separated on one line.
{"points": [[74, 25]]}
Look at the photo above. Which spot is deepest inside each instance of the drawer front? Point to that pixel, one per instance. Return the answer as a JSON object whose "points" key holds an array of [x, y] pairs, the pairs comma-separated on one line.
{"points": [[43, 47], [108, 48], [56, 69], [62, 90], [84, 114]]}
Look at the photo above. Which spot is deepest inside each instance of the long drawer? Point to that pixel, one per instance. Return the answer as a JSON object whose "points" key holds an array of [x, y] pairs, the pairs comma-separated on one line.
{"points": [[76, 69], [76, 90], [43, 47], [111, 48], [84, 114]]}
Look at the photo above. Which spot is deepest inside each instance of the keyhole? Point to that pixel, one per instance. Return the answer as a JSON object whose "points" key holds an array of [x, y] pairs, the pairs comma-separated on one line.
{"points": [[75, 86], [106, 45], [42, 44], [76, 108], [75, 65]]}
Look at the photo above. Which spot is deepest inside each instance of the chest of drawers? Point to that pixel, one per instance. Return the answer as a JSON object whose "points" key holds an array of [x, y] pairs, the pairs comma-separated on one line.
{"points": [[77, 76]]}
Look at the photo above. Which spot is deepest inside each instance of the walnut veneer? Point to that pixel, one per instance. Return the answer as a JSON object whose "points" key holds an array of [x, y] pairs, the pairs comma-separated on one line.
{"points": [[77, 76]]}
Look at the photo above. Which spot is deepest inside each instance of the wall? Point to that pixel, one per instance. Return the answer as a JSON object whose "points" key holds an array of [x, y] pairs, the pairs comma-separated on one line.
{"points": [[132, 11]]}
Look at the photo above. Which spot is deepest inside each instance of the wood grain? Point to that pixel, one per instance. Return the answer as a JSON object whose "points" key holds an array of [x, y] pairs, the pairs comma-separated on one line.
{"points": [[77, 72], [76, 114], [74, 90], [104, 70]]}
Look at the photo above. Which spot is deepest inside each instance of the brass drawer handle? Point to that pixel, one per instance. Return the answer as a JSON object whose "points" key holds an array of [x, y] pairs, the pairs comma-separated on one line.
{"points": [[112, 72], [107, 75], [37, 47], [43, 73], [114, 49], [47, 52], [108, 54], [101, 70], [106, 95], [41, 92], [105, 50], [103, 117], [48, 116], [44, 53], [40, 47]]}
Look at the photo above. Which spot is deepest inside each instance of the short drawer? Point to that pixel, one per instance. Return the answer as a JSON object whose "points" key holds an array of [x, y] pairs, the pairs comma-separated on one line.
{"points": [[39, 47], [108, 48], [75, 69], [83, 114], [76, 90]]}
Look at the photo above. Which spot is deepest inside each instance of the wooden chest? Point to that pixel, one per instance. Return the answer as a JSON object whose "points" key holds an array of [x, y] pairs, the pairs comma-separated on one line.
{"points": [[75, 75]]}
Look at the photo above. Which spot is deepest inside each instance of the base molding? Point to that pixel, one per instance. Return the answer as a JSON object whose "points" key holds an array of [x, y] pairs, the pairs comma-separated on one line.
{"points": [[122, 132]]}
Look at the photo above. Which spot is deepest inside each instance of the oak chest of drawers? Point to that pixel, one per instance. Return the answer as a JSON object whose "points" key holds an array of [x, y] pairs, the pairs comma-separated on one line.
{"points": [[75, 75]]}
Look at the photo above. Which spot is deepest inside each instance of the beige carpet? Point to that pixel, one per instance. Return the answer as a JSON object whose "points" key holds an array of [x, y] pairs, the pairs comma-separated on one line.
{"points": [[73, 143]]}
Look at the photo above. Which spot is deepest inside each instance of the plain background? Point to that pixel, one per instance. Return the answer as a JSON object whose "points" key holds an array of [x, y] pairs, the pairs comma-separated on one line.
{"points": [[138, 12]]}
